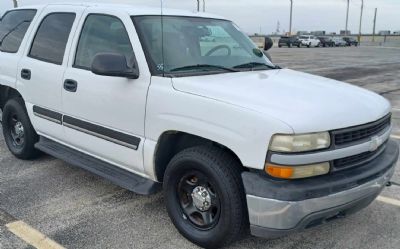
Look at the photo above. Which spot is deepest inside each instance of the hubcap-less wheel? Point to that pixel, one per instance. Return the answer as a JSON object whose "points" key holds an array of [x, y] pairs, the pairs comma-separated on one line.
{"points": [[199, 202], [17, 131]]}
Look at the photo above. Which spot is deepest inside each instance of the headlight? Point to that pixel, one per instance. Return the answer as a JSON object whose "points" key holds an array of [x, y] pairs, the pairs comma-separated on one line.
{"points": [[296, 172], [300, 143]]}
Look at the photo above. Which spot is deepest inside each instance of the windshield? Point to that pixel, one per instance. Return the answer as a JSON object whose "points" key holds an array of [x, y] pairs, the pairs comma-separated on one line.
{"points": [[191, 45]]}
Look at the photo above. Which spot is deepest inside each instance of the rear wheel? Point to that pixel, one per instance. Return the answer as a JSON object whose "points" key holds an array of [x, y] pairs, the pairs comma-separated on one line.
{"points": [[18, 131], [204, 196]]}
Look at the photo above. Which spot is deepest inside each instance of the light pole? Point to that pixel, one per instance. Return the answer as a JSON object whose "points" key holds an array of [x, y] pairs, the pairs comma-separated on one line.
{"points": [[198, 5], [15, 3], [347, 17], [361, 16], [291, 17], [373, 32], [204, 5]]}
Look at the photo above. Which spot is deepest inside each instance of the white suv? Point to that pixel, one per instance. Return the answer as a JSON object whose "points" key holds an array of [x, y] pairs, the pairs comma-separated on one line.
{"points": [[187, 102], [309, 41]]}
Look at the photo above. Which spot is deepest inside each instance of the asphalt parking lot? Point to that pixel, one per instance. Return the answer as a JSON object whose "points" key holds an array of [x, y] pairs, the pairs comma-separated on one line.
{"points": [[79, 210]]}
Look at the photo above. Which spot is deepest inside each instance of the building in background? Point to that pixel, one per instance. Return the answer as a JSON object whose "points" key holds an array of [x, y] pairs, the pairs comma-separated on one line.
{"points": [[384, 32]]}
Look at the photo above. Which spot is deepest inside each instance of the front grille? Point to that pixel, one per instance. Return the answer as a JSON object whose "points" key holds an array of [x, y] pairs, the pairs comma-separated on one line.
{"points": [[356, 160], [358, 133]]}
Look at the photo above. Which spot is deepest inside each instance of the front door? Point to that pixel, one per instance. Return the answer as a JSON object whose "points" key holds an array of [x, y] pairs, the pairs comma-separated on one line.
{"points": [[104, 116]]}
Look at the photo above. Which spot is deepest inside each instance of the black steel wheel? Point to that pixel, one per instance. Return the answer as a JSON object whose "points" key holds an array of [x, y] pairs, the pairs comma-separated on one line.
{"points": [[18, 132], [205, 197], [199, 200]]}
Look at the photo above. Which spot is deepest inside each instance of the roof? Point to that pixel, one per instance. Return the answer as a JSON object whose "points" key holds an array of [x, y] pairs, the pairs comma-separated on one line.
{"points": [[131, 9]]}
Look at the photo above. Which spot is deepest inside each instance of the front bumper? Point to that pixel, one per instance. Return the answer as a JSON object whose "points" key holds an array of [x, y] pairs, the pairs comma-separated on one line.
{"points": [[277, 207]]}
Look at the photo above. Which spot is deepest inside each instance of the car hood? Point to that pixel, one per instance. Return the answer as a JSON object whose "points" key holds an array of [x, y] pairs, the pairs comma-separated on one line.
{"points": [[307, 103]]}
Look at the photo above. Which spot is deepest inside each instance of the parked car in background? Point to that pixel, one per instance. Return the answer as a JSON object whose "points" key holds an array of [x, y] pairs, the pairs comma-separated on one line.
{"points": [[309, 41], [350, 41], [289, 41], [339, 42], [326, 41]]}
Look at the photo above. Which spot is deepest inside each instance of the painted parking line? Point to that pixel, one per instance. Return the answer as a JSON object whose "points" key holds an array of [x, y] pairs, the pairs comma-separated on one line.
{"points": [[395, 136], [26, 233], [32, 236], [388, 200]]}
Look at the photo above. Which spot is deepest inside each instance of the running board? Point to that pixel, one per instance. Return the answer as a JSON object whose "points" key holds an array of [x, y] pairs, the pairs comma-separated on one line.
{"points": [[121, 177]]}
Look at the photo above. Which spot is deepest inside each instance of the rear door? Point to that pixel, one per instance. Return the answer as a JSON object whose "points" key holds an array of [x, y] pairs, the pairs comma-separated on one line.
{"points": [[13, 29], [41, 71], [104, 116]]}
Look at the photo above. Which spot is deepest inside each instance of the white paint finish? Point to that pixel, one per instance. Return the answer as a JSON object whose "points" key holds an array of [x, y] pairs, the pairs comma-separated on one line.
{"points": [[9, 61], [238, 110], [113, 102], [149, 149], [244, 131], [44, 87], [306, 102]]}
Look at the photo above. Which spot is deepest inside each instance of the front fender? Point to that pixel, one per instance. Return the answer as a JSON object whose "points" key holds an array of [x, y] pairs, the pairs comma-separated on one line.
{"points": [[245, 132]]}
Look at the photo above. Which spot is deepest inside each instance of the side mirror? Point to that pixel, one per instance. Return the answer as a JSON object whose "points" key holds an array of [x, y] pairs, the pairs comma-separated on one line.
{"points": [[268, 43], [113, 64]]}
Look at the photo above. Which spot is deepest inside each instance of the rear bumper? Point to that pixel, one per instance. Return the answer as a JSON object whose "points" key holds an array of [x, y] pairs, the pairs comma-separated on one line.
{"points": [[292, 206]]}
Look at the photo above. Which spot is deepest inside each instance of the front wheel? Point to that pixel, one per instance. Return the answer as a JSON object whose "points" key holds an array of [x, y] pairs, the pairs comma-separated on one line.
{"points": [[18, 132], [205, 197]]}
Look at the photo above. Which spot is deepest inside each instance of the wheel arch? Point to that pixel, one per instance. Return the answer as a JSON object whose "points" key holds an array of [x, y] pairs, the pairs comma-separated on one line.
{"points": [[171, 143], [7, 93]]}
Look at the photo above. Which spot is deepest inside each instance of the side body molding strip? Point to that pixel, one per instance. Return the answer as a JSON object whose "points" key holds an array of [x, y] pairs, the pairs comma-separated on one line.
{"points": [[47, 114], [110, 135], [102, 132]]}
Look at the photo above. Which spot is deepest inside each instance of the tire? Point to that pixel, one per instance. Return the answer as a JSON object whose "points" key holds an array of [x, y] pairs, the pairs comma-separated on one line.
{"points": [[299, 46], [309, 45], [18, 131], [280, 45], [219, 174]]}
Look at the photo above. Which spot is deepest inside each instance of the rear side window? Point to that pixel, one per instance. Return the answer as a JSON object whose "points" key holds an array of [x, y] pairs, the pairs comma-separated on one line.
{"points": [[101, 34], [52, 37], [13, 28]]}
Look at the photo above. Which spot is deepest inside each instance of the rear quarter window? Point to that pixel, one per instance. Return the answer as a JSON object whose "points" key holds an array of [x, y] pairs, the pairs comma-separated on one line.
{"points": [[13, 28]]}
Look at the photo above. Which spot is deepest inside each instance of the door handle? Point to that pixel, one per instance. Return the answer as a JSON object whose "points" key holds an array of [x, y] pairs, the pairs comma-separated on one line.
{"points": [[26, 74], [70, 85]]}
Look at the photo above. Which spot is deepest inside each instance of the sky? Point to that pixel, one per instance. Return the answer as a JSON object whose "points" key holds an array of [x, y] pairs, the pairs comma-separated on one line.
{"points": [[254, 16]]}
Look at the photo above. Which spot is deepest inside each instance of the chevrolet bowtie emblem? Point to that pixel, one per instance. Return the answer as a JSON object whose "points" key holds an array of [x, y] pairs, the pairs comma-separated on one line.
{"points": [[375, 143]]}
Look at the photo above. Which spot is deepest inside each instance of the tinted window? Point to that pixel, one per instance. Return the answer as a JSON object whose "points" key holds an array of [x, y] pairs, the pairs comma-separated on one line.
{"points": [[13, 28], [101, 34], [52, 37]]}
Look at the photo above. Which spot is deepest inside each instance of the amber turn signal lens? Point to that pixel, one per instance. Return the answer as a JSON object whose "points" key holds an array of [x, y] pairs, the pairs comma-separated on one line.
{"points": [[296, 172], [279, 172]]}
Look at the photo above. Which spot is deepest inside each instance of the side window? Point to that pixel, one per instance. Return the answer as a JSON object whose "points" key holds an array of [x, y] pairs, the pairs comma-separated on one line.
{"points": [[52, 37], [101, 34], [13, 28]]}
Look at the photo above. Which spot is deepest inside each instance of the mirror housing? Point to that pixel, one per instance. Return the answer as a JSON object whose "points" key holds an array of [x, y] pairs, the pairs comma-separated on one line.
{"points": [[268, 43], [116, 65]]}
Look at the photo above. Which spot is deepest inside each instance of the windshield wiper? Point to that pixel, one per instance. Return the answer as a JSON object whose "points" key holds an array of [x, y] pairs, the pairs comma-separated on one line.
{"points": [[253, 65], [12, 30], [203, 66]]}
